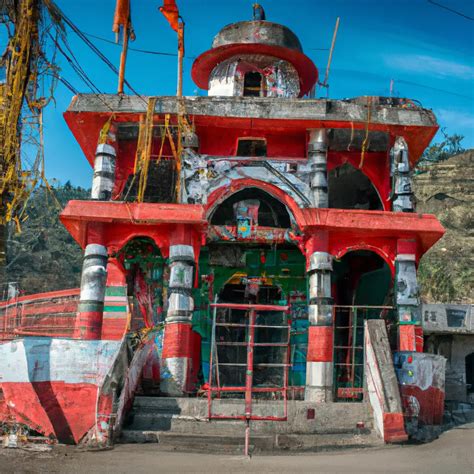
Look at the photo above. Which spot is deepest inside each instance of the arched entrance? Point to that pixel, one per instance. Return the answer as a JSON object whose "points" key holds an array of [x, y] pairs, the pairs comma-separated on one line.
{"points": [[251, 259], [145, 268], [361, 288]]}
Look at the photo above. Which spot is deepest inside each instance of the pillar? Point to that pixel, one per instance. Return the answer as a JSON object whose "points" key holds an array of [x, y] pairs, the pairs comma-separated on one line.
{"points": [[317, 161], [402, 192], [116, 310], [177, 339], [103, 180], [407, 299], [88, 324], [319, 361]]}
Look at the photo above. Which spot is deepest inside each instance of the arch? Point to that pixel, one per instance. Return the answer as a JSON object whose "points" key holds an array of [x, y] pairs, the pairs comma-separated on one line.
{"points": [[219, 195], [144, 265], [351, 188], [123, 238], [361, 277], [271, 211], [370, 248]]}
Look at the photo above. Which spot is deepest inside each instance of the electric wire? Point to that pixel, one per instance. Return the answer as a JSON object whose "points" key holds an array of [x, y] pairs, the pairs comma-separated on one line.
{"points": [[78, 70], [144, 51], [451, 10], [94, 48]]}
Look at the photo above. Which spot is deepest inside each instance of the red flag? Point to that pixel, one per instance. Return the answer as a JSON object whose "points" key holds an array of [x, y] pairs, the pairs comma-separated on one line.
{"points": [[171, 13]]}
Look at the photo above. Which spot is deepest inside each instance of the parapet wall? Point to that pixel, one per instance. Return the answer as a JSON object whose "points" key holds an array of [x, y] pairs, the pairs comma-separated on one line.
{"points": [[44, 314]]}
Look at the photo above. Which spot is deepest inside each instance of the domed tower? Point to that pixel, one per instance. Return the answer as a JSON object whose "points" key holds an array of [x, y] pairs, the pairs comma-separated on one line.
{"points": [[255, 59]]}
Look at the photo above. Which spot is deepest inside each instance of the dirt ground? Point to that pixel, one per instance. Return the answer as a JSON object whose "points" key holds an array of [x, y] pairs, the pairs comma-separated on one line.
{"points": [[453, 452]]}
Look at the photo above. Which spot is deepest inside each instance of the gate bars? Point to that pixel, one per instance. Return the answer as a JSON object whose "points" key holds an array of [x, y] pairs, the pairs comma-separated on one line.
{"points": [[248, 389]]}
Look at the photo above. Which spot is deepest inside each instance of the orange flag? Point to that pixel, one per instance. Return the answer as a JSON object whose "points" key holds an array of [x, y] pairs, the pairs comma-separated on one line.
{"points": [[122, 15], [171, 13]]}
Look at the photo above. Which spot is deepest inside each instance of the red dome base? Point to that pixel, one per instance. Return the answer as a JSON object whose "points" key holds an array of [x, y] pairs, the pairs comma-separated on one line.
{"points": [[206, 62]]}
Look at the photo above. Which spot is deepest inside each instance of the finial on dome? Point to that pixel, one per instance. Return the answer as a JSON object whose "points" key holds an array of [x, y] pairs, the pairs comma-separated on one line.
{"points": [[258, 12]]}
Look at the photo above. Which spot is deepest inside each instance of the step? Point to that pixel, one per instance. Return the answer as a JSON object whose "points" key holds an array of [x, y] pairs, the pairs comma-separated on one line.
{"points": [[182, 424], [233, 444], [176, 414]]}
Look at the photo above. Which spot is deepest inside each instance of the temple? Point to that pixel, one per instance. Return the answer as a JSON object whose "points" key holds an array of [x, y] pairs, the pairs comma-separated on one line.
{"points": [[250, 255]]}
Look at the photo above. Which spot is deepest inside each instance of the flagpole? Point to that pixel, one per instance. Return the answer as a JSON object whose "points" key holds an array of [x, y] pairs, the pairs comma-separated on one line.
{"points": [[123, 60], [180, 32]]}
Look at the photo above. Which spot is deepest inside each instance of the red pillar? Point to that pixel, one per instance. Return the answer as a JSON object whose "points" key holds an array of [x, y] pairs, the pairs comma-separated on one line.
{"points": [[178, 337]]}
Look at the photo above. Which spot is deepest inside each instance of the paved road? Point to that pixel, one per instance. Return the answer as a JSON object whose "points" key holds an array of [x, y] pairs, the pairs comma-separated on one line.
{"points": [[453, 452]]}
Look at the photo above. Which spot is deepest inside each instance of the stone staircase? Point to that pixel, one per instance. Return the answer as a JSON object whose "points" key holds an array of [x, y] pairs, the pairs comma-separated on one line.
{"points": [[181, 424]]}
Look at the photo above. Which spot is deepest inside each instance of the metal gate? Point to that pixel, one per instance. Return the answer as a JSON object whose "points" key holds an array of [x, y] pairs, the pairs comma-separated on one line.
{"points": [[249, 361], [349, 354]]}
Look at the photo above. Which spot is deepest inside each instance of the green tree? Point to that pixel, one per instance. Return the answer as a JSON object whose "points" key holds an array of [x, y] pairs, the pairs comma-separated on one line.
{"points": [[450, 146], [43, 256]]}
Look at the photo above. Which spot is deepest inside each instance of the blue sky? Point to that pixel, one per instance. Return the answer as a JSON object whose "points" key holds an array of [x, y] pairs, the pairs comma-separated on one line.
{"points": [[428, 51]]}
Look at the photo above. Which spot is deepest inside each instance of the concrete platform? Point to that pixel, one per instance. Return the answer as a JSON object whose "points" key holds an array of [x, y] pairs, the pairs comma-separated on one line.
{"points": [[181, 424]]}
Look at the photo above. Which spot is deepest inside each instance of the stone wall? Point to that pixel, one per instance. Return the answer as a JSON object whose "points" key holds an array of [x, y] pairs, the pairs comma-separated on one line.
{"points": [[449, 331]]}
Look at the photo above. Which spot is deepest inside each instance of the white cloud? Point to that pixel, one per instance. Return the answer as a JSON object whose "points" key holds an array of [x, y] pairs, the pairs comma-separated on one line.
{"points": [[455, 118], [419, 63]]}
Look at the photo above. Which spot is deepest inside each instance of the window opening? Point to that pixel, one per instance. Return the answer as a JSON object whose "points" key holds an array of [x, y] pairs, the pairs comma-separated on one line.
{"points": [[252, 84], [252, 147]]}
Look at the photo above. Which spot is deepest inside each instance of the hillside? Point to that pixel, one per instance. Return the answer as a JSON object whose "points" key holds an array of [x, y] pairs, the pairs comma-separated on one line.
{"points": [[446, 189], [44, 257]]}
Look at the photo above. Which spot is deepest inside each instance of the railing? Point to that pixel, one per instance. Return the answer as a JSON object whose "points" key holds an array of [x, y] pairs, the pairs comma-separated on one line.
{"points": [[349, 350], [248, 336], [43, 314]]}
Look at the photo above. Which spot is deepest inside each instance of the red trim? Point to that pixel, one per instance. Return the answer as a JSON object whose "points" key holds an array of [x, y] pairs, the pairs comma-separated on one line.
{"points": [[407, 246], [394, 428], [86, 127], [419, 340], [407, 338], [177, 341], [207, 61], [88, 325], [42, 296], [320, 344]]}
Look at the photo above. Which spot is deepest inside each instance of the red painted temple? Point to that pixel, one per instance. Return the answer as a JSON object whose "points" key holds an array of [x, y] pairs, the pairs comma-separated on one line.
{"points": [[239, 244]]}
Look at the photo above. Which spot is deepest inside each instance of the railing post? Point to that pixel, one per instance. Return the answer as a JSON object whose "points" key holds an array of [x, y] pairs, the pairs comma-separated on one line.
{"points": [[249, 374]]}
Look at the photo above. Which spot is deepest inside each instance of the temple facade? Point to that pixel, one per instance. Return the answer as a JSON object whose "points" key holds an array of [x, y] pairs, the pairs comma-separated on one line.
{"points": [[255, 245]]}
